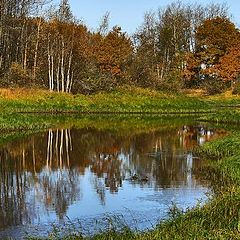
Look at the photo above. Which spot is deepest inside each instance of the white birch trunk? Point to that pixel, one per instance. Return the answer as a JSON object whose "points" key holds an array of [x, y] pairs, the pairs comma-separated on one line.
{"points": [[49, 66], [68, 72], [58, 72], [36, 49], [52, 71], [62, 66], [71, 82], [25, 56]]}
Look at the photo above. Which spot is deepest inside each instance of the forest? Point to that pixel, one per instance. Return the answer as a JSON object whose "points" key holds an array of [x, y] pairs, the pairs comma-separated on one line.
{"points": [[177, 47]]}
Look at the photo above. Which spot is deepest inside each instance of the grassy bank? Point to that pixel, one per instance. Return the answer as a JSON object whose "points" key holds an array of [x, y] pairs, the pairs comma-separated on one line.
{"points": [[219, 108], [122, 100], [220, 218], [34, 109]]}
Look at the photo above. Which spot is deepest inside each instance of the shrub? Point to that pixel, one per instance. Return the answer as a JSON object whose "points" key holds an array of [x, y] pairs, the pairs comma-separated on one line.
{"points": [[172, 82], [236, 89], [17, 76], [213, 85], [96, 84]]}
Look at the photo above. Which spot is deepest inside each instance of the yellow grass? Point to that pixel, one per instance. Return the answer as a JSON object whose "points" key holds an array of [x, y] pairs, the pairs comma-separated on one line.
{"points": [[27, 94], [224, 96], [195, 92], [202, 93], [19, 93]]}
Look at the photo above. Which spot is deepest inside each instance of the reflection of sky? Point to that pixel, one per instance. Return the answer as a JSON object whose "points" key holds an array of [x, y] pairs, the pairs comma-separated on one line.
{"points": [[35, 197], [130, 198], [141, 207], [133, 201], [88, 197]]}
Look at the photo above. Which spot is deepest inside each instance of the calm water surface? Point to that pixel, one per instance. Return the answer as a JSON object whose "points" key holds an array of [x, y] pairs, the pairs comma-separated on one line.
{"points": [[83, 175]]}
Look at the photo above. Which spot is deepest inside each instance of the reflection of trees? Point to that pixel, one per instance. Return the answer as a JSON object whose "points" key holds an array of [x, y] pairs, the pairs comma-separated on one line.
{"points": [[58, 141], [191, 136], [109, 167], [165, 157], [46, 168], [27, 176], [58, 190], [162, 159], [13, 182]]}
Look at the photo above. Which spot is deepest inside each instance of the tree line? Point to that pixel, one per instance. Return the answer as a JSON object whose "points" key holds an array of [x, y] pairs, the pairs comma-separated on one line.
{"points": [[179, 46]]}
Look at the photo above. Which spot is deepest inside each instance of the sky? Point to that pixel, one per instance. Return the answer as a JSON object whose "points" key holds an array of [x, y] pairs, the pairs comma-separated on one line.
{"points": [[129, 13]]}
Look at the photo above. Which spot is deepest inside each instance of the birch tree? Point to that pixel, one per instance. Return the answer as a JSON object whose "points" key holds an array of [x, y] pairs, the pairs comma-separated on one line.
{"points": [[60, 41]]}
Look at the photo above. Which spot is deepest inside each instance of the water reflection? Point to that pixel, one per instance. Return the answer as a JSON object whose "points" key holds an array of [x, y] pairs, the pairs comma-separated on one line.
{"points": [[42, 177]]}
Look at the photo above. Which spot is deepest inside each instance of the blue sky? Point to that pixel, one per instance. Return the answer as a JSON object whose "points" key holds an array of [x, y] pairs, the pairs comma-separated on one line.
{"points": [[129, 13]]}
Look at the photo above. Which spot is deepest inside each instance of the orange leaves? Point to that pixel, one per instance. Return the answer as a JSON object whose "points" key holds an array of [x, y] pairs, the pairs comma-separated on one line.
{"points": [[112, 51], [229, 65], [216, 35], [191, 65], [217, 51]]}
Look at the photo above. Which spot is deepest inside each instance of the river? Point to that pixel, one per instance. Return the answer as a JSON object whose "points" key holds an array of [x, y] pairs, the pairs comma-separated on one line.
{"points": [[89, 179]]}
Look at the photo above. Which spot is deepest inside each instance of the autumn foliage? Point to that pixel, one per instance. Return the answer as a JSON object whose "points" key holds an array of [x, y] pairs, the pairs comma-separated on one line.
{"points": [[228, 67], [217, 53], [180, 46], [111, 52]]}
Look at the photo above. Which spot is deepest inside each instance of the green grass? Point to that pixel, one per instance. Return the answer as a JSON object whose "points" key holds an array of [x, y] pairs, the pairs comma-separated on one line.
{"points": [[121, 100], [17, 104], [220, 218], [223, 116]]}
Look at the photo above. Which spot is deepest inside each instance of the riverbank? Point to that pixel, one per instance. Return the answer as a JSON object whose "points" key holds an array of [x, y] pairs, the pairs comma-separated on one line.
{"points": [[20, 106], [34, 109], [123, 100], [218, 219]]}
